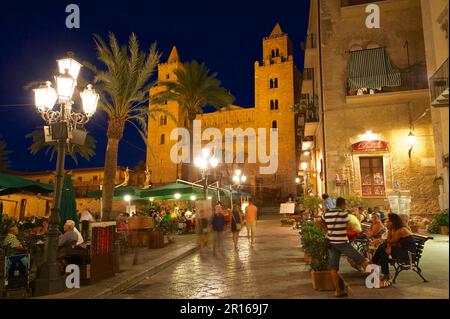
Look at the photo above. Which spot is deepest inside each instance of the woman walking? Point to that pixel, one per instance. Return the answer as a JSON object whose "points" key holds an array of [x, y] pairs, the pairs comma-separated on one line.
{"points": [[236, 224]]}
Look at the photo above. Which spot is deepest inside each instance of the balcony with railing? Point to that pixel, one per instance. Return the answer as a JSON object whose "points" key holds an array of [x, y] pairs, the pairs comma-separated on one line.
{"points": [[413, 80], [439, 86]]}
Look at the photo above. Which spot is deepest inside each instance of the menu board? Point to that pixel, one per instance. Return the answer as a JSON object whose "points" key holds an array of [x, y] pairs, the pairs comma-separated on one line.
{"points": [[287, 208]]}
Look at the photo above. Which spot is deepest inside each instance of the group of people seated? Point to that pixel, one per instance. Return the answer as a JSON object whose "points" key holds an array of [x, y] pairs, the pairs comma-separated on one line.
{"points": [[391, 241], [70, 238]]}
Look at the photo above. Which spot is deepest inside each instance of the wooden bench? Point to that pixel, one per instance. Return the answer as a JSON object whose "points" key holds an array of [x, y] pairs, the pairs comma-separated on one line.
{"points": [[413, 263]]}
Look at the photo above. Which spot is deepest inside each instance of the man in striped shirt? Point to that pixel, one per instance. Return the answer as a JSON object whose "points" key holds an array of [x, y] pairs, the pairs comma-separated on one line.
{"points": [[336, 221]]}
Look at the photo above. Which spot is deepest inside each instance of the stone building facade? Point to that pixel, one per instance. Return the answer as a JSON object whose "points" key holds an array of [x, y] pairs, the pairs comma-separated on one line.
{"points": [[435, 31], [277, 90], [369, 131]]}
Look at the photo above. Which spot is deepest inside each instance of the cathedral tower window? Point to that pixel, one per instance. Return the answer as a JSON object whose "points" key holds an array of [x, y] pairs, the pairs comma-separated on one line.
{"points": [[162, 139], [274, 125]]}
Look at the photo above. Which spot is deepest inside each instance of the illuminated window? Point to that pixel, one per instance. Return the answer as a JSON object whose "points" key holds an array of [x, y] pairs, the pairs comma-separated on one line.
{"points": [[372, 176]]}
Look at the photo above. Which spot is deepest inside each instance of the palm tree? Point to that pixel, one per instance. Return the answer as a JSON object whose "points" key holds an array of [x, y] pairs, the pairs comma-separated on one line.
{"points": [[4, 152], [87, 151], [194, 89], [123, 88]]}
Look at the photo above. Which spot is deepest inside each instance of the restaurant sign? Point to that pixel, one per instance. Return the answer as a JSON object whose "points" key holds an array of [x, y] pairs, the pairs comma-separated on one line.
{"points": [[370, 146]]}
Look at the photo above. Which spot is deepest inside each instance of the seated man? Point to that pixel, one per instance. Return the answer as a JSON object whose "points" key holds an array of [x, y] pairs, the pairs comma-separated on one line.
{"points": [[11, 240], [70, 237]]}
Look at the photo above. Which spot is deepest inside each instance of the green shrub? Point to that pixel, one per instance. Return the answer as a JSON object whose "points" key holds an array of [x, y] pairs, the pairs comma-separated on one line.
{"points": [[440, 220], [315, 243], [312, 203]]}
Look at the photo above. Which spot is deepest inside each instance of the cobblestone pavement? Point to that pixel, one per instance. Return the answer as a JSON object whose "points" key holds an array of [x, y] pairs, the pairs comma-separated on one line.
{"points": [[272, 268]]}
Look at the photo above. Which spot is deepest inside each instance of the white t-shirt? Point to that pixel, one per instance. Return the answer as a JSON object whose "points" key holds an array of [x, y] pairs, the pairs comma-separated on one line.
{"points": [[86, 216], [80, 237]]}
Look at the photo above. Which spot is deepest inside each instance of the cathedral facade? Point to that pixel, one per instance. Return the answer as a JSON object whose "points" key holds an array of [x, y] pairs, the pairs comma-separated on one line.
{"points": [[277, 90]]}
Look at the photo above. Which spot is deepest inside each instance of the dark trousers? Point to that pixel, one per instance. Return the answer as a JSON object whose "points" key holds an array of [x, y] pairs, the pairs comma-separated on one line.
{"points": [[381, 258]]}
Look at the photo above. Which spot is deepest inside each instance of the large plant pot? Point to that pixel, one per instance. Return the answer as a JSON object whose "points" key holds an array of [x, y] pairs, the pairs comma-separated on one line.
{"points": [[443, 230], [156, 239], [322, 280]]}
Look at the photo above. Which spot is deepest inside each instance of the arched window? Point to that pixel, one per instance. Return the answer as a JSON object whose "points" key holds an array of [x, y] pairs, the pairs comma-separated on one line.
{"points": [[274, 125], [272, 105], [277, 52], [276, 104], [161, 120], [162, 139], [165, 119], [275, 83], [271, 83]]}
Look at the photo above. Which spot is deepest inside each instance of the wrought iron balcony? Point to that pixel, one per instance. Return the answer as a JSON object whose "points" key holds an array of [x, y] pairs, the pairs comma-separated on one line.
{"points": [[439, 86]]}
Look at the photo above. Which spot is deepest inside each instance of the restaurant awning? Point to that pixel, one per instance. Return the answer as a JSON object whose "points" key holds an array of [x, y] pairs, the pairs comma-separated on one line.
{"points": [[168, 191], [372, 69], [10, 184]]}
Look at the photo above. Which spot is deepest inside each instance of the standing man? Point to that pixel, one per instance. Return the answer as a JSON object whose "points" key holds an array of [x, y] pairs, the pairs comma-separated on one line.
{"points": [[337, 221], [218, 226], [85, 219], [328, 202], [251, 215]]}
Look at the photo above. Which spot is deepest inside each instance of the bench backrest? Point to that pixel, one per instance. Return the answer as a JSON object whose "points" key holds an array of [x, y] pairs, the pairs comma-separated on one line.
{"points": [[420, 243]]}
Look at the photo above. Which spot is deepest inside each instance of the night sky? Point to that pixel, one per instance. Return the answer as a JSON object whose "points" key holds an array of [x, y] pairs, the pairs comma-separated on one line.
{"points": [[226, 35]]}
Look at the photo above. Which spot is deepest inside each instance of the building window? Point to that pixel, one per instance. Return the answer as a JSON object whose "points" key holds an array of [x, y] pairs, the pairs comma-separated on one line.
{"points": [[273, 105], [165, 102], [274, 125], [163, 120], [95, 178], [80, 179], [275, 53], [372, 176], [273, 83], [308, 73], [167, 76], [162, 139]]}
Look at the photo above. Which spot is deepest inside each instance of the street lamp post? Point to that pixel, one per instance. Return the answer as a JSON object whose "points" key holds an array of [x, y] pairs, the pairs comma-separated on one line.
{"points": [[238, 179], [204, 163], [64, 126]]}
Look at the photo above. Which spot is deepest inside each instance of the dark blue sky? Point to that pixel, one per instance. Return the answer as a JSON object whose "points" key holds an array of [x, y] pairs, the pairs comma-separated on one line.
{"points": [[226, 35]]}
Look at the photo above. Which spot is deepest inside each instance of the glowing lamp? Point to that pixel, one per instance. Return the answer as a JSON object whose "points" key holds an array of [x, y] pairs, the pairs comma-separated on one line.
{"points": [[90, 99], [73, 67], [45, 96]]}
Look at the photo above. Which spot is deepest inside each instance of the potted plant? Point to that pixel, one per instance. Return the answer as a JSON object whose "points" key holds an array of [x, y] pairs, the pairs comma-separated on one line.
{"points": [[440, 223], [287, 221], [438, 180], [314, 242], [311, 203]]}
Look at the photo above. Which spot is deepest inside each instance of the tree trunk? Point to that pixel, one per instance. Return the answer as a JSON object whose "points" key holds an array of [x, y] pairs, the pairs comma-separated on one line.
{"points": [[115, 133]]}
